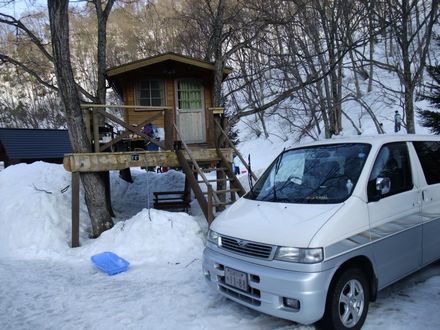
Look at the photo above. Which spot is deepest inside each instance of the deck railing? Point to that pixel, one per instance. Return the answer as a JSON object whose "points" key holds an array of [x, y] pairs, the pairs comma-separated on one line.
{"points": [[94, 112]]}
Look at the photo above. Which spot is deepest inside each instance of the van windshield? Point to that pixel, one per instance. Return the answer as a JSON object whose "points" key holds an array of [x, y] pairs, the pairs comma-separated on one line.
{"points": [[321, 174]]}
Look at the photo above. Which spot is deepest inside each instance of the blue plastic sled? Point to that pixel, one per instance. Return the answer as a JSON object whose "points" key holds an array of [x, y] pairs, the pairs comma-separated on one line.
{"points": [[110, 263]]}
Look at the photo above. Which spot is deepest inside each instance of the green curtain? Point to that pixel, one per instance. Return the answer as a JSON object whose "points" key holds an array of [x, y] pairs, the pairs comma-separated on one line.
{"points": [[189, 94]]}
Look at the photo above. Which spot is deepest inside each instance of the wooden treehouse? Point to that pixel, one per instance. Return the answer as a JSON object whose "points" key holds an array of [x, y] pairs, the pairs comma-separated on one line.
{"points": [[173, 94]]}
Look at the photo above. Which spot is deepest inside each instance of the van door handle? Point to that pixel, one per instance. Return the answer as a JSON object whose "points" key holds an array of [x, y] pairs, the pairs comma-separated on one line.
{"points": [[423, 195]]}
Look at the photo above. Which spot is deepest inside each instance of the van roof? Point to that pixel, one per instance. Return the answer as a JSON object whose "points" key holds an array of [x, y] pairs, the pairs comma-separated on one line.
{"points": [[378, 139]]}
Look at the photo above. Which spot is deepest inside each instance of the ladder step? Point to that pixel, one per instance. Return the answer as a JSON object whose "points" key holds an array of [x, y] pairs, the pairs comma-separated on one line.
{"points": [[227, 190], [211, 169], [215, 180]]}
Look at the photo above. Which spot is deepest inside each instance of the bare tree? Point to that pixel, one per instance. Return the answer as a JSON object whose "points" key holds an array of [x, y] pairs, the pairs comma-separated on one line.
{"points": [[410, 23], [92, 182], [102, 14], [31, 38]]}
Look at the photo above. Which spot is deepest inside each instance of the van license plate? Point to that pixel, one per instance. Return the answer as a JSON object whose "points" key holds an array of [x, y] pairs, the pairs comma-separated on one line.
{"points": [[236, 279]]}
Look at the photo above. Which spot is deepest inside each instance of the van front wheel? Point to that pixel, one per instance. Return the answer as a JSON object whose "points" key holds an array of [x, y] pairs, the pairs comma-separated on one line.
{"points": [[348, 300]]}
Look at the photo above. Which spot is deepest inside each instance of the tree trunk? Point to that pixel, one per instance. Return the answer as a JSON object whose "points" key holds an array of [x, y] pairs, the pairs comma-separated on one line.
{"points": [[92, 182], [215, 50], [102, 18], [102, 15], [409, 109], [371, 9], [407, 74]]}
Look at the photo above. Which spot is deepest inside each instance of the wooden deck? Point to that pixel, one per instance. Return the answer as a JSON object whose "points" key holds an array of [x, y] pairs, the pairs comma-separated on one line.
{"points": [[108, 161]]}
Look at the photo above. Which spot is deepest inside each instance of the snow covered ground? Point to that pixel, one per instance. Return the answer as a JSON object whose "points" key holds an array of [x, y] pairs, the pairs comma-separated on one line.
{"points": [[44, 284]]}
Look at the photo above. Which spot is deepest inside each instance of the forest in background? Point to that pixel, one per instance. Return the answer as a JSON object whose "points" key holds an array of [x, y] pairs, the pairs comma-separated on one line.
{"points": [[300, 62]]}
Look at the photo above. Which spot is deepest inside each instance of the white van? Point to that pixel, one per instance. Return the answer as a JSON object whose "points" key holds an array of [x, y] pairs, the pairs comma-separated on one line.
{"points": [[328, 225]]}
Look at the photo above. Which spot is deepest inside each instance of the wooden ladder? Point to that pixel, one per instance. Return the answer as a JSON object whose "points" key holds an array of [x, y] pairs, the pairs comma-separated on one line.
{"points": [[210, 199]]}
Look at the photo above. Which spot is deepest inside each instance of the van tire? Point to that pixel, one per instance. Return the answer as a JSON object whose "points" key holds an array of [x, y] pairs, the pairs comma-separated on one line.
{"points": [[347, 301]]}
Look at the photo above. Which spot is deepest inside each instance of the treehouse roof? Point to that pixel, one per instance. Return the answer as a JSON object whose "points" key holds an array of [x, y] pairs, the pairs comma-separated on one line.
{"points": [[166, 57]]}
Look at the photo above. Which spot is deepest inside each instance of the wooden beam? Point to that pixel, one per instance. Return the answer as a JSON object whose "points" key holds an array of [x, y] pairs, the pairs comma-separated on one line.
{"points": [[107, 161], [138, 128], [117, 106], [129, 127], [193, 182], [210, 212], [169, 131], [217, 110], [88, 123], [95, 127], [75, 209]]}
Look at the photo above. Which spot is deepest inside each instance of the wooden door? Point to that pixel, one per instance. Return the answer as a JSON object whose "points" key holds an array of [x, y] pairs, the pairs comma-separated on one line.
{"points": [[190, 110]]}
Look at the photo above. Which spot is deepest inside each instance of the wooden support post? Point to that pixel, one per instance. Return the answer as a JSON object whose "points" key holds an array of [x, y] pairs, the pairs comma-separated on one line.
{"points": [[211, 133], [106, 178], [168, 128], [210, 212], [75, 209], [88, 123], [187, 191], [95, 130], [234, 183], [221, 185], [193, 183]]}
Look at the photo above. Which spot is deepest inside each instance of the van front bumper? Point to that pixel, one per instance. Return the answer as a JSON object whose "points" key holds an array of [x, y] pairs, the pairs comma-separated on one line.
{"points": [[270, 287]]}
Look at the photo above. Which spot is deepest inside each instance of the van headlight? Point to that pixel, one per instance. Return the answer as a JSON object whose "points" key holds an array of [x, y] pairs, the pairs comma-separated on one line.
{"points": [[300, 255], [214, 237]]}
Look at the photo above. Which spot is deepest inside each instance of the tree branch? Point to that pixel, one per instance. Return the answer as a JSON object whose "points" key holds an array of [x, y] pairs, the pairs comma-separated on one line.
{"points": [[6, 59], [12, 21]]}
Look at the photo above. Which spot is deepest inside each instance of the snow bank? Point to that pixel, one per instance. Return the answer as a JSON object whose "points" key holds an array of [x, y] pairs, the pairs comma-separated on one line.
{"points": [[35, 217], [153, 236]]}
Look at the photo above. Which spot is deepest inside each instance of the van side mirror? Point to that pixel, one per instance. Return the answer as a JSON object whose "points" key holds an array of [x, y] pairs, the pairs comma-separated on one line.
{"points": [[383, 185], [377, 188]]}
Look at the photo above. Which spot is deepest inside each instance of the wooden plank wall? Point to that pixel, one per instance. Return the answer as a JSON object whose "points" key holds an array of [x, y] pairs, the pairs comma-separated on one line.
{"points": [[133, 117]]}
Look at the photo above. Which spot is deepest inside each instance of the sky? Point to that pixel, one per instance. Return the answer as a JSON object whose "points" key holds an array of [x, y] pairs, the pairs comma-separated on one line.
{"points": [[17, 8]]}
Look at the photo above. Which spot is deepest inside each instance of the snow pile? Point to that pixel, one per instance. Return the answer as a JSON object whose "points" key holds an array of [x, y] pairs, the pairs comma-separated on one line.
{"points": [[35, 216], [152, 237], [35, 220]]}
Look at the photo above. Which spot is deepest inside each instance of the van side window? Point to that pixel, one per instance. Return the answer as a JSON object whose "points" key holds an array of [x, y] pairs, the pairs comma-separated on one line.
{"points": [[429, 156], [393, 163]]}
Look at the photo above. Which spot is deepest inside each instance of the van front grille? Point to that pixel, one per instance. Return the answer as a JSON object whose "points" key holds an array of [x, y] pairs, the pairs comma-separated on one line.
{"points": [[243, 297], [246, 247]]}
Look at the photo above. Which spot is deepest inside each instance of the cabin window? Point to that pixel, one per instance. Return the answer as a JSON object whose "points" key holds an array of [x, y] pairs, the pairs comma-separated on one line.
{"points": [[189, 95], [150, 93]]}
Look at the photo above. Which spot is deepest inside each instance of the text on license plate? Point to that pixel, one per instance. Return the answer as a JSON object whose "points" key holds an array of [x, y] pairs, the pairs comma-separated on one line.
{"points": [[236, 279]]}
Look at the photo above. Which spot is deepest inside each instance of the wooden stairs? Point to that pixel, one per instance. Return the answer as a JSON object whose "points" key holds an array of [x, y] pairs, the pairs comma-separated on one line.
{"points": [[216, 193], [212, 194]]}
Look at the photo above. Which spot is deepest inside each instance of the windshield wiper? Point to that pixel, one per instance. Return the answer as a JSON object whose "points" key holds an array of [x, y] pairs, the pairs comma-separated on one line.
{"points": [[251, 184]]}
